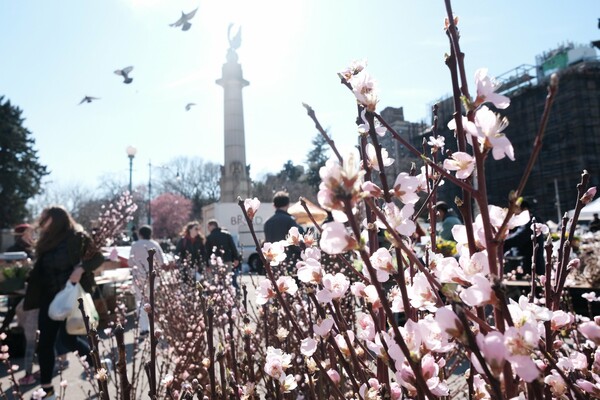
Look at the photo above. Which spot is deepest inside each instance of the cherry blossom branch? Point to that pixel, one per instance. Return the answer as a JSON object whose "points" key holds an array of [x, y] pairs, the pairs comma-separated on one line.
{"points": [[310, 216], [382, 177], [92, 336], [537, 147], [323, 132], [122, 363], [562, 269], [388, 312], [151, 365], [416, 152]]}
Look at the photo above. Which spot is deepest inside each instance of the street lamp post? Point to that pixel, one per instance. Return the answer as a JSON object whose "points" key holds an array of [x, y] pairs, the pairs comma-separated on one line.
{"points": [[131, 154], [149, 192]]}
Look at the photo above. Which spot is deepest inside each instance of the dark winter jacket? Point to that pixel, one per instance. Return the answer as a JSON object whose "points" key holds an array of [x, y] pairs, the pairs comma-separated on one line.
{"points": [[192, 249], [222, 245], [53, 268]]}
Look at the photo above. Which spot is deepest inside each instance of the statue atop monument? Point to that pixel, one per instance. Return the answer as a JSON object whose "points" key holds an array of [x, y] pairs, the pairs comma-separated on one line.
{"points": [[234, 43]]}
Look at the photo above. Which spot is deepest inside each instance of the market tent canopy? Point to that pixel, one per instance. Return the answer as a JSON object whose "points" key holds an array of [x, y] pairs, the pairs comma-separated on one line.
{"points": [[587, 212], [301, 216]]}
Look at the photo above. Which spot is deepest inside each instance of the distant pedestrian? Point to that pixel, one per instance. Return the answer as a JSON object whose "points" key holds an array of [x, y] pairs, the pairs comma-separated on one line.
{"points": [[448, 219], [595, 224], [278, 226], [220, 243], [138, 261], [519, 243], [24, 242], [191, 251]]}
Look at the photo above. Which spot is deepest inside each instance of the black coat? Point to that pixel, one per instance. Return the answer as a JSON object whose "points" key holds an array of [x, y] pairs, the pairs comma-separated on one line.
{"points": [[53, 268], [278, 226], [221, 243], [193, 250]]}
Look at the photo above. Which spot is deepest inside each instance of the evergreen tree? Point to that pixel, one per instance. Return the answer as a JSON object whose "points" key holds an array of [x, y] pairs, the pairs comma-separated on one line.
{"points": [[315, 159], [21, 173]]}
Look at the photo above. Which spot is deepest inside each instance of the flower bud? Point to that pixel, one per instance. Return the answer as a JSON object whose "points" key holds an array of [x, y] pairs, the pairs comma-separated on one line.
{"points": [[589, 195]]}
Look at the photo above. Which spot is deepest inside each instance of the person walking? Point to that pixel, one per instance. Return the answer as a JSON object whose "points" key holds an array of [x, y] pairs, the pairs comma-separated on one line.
{"points": [[24, 241], [191, 251], [138, 262], [65, 255], [220, 243], [278, 226], [448, 219], [595, 224]]}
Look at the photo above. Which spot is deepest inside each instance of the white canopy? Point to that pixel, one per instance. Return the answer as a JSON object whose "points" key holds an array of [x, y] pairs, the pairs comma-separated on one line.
{"points": [[587, 212]]}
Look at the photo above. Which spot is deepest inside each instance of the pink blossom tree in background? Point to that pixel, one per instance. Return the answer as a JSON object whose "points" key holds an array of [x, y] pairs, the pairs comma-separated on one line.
{"points": [[169, 213]]}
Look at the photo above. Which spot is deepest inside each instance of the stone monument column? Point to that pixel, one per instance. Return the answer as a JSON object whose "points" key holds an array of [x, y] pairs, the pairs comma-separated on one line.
{"points": [[235, 179]]}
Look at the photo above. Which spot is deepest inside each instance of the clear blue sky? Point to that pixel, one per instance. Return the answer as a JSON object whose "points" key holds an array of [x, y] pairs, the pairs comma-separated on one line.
{"points": [[54, 53]]}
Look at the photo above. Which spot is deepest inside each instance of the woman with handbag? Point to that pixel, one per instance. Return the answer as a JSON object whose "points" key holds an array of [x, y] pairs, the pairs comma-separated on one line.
{"points": [[64, 253]]}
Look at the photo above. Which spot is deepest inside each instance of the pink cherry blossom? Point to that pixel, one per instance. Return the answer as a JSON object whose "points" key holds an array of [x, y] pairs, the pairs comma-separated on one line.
{"points": [[436, 143], [461, 162], [372, 189], [372, 157], [486, 90], [476, 264], [308, 347], [343, 344], [251, 206], [365, 326], [383, 264], [364, 88], [400, 219], [354, 68], [264, 292], [560, 319], [558, 387], [590, 330], [274, 252], [405, 188], [363, 129], [287, 383], [335, 238], [520, 343], [287, 284], [340, 183], [479, 293], [322, 329], [448, 322], [433, 337], [590, 296], [420, 293], [310, 271], [334, 287], [488, 129], [276, 362], [334, 376], [589, 387], [293, 237], [431, 371], [493, 349]]}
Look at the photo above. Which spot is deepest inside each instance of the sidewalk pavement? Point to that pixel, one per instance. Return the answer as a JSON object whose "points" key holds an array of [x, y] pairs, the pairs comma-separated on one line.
{"points": [[78, 388]]}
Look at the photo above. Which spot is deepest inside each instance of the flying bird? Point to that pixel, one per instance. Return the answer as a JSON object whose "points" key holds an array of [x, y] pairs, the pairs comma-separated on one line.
{"points": [[188, 106], [88, 99], [183, 21], [125, 74]]}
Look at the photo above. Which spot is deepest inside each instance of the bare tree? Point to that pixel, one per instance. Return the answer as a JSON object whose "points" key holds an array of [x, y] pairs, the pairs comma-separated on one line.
{"points": [[192, 178]]}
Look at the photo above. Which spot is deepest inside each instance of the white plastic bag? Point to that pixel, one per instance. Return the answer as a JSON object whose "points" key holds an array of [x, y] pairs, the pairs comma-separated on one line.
{"points": [[75, 324], [64, 302]]}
